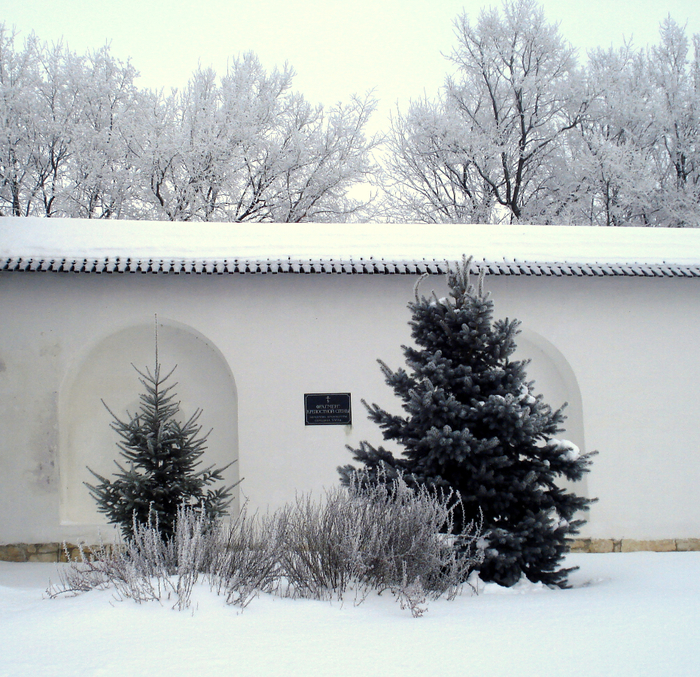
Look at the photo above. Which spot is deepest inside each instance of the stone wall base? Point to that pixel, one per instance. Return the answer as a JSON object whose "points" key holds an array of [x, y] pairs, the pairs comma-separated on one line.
{"points": [[39, 552], [634, 545], [59, 552]]}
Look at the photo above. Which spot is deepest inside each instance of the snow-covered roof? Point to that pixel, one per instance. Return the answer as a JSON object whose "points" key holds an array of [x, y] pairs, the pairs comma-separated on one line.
{"points": [[80, 245]]}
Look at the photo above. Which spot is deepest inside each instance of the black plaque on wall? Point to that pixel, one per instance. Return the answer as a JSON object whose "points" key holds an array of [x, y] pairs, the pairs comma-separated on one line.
{"points": [[327, 409]]}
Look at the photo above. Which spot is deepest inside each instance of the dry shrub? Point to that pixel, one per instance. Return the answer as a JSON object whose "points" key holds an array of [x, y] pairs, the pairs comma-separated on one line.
{"points": [[386, 536], [245, 558]]}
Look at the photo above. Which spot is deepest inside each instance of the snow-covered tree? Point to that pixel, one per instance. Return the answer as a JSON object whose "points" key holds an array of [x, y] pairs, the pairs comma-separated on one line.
{"points": [[160, 472], [483, 151], [521, 132], [610, 169], [429, 178], [676, 75], [104, 174], [248, 148], [79, 139], [65, 127], [473, 423], [19, 79], [634, 160]]}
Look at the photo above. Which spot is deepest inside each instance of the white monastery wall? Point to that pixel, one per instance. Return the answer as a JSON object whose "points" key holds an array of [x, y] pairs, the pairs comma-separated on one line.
{"points": [[632, 344], [621, 351]]}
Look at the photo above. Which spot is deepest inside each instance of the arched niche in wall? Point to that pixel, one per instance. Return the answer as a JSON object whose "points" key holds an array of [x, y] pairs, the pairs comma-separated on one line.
{"points": [[104, 372], [556, 381]]}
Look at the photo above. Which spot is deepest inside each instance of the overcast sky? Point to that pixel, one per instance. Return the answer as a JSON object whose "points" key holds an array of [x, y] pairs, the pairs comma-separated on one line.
{"points": [[337, 47]]}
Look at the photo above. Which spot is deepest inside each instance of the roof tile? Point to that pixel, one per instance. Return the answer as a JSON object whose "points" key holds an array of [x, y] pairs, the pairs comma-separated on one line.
{"points": [[362, 266]]}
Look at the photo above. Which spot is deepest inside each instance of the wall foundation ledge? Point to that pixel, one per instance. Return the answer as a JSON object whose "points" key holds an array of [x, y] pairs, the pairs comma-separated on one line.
{"points": [[56, 552], [598, 545], [39, 552]]}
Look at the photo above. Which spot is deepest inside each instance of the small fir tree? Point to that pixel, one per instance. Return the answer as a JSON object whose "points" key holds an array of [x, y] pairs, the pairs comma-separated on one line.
{"points": [[162, 458], [473, 424]]}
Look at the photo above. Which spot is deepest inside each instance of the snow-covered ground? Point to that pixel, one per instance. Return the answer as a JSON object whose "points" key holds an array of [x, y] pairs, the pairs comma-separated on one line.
{"points": [[632, 614]]}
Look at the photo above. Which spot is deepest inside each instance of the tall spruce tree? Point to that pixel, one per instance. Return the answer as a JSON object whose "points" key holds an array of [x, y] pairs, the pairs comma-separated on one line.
{"points": [[162, 458], [474, 424]]}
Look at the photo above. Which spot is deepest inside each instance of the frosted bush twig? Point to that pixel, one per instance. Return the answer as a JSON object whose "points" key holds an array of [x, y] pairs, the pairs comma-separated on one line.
{"points": [[382, 536]]}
